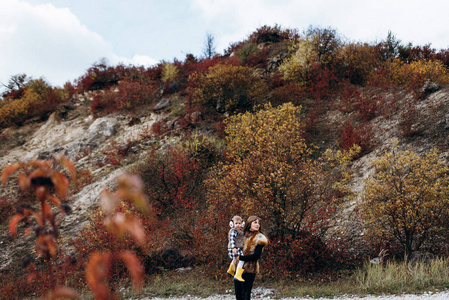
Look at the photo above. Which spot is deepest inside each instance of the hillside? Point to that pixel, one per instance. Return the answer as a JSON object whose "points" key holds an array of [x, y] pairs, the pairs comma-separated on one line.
{"points": [[106, 134]]}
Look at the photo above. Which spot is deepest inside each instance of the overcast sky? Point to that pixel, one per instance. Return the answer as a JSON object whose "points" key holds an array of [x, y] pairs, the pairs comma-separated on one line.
{"points": [[60, 39]]}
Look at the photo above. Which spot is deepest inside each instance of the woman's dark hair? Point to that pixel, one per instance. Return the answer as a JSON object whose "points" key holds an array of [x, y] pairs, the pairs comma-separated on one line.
{"points": [[250, 221]]}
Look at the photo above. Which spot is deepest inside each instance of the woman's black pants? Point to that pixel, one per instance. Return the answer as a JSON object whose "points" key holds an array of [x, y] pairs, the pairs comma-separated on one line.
{"points": [[243, 289]]}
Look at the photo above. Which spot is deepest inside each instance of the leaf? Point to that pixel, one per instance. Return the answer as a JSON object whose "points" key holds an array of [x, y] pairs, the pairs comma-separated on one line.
{"points": [[131, 188], [38, 173], [55, 200], [46, 245], [141, 202], [9, 170], [120, 224], [61, 184], [69, 166], [134, 227], [48, 213], [38, 217], [41, 193], [134, 267], [96, 270], [108, 202], [39, 163], [24, 181], [13, 223]]}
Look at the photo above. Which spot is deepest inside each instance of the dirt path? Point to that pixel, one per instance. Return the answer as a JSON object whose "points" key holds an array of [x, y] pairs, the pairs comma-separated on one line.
{"points": [[260, 293]]}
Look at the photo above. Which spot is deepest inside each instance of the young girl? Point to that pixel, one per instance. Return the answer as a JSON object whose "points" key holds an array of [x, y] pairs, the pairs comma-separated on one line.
{"points": [[235, 246]]}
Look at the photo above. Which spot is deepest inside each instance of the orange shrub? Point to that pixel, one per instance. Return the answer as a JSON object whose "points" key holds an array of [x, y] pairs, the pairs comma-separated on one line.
{"points": [[412, 75], [37, 99], [416, 73], [227, 88], [357, 61]]}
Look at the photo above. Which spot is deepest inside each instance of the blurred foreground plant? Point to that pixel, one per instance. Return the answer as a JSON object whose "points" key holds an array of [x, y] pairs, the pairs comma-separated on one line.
{"points": [[51, 187], [101, 264]]}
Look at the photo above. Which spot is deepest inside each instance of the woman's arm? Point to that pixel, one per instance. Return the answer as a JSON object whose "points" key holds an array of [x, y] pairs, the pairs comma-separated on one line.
{"points": [[253, 257]]}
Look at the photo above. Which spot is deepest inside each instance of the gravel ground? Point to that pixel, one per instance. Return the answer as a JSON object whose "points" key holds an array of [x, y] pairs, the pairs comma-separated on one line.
{"points": [[261, 293]]}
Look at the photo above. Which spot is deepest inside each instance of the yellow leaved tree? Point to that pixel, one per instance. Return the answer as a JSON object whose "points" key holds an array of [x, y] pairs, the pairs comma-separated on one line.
{"points": [[270, 172], [407, 197]]}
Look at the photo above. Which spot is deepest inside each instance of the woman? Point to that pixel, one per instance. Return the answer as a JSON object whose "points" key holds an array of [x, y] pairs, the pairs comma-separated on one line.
{"points": [[254, 241]]}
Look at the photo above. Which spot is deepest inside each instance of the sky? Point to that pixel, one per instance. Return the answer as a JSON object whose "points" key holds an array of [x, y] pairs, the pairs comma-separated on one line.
{"points": [[59, 40]]}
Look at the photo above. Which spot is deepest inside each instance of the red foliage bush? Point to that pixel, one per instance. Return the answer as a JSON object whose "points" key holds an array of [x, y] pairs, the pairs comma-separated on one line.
{"points": [[349, 96], [192, 64], [285, 257], [418, 53], [443, 55], [128, 95], [408, 118], [101, 76], [321, 81], [174, 179], [351, 135], [290, 92], [366, 105]]}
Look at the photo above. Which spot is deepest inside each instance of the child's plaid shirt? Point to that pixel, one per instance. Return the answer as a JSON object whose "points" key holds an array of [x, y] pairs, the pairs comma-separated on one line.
{"points": [[232, 236]]}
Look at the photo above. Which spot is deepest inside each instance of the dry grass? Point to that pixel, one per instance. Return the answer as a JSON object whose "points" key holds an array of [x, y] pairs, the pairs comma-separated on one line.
{"points": [[390, 278], [400, 277]]}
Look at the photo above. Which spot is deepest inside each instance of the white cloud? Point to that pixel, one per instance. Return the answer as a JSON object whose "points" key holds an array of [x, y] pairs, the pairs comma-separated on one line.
{"points": [[410, 20], [136, 60], [45, 41]]}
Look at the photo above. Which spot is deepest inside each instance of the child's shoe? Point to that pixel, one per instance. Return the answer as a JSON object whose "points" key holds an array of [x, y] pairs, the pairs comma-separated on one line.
{"points": [[238, 275], [231, 270]]}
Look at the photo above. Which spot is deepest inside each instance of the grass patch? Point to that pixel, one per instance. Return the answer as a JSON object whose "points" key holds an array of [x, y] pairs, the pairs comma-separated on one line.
{"points": [[316, 288], [393, 278], [400, 277], [192, 282], [390, 278]]}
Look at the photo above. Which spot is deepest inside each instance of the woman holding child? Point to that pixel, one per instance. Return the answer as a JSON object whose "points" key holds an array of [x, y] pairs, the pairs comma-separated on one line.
{"points": [[253, 242]]}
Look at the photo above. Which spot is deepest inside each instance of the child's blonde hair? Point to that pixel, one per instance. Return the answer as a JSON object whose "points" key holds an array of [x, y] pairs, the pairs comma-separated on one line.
{"points": [[235, 219]]}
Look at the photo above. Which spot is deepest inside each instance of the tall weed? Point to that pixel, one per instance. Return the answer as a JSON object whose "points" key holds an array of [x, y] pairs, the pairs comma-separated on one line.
{"points": [[402, 277]]}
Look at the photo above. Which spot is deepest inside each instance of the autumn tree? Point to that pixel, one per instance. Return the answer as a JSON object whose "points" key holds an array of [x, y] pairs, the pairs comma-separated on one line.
{"points": [[357, 61], [174, 178], [297, 66], [29, 98], [390, 47], [406, 199], [227, 88], [326, 43], [318, 49], [15, 87], [209, 49], [269, 171]]}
